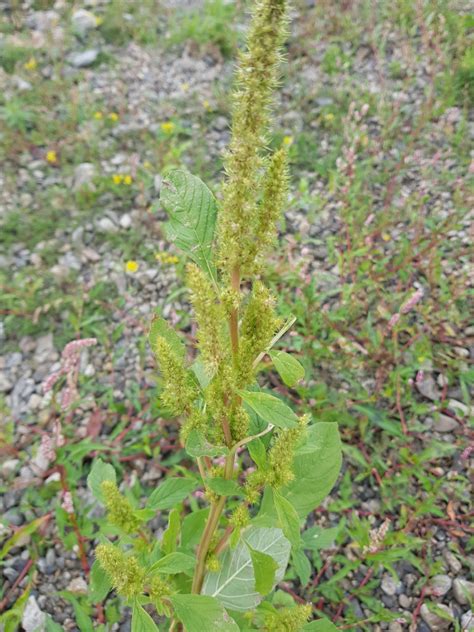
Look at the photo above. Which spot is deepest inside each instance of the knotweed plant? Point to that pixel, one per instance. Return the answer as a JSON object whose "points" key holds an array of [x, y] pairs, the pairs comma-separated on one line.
{"points": [[260, 468]]}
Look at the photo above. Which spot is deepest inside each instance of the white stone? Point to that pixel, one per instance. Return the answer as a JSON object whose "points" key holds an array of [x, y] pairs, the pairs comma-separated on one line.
{"points": [[83, 59], [106, 225], [33, 619], [83, 21], [8, 467], [83, 176], [125, 221], [78, 586], [5, 384]]}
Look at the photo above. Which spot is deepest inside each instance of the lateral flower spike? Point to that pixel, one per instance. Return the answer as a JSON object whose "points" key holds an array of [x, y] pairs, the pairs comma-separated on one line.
{"points": [[125, 573]]}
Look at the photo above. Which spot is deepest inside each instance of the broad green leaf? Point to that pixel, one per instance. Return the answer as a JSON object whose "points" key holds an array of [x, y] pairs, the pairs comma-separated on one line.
{"points": [[173, 563], [288, 367], [100, 585], [321, 625], [197, 445], [200, 613], [302, 566], [193, 526], [264, 568], [159, 328], [270, 409], [234, 584], [169, 542], [257, 451], [288, 518], [99, 473], [317, 538], [316, 467], [141, 620], [223, 487], [169, 493], [192, 211]]}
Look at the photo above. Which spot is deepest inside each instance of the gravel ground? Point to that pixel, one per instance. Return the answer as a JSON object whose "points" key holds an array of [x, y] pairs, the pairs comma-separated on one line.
{"points": [[148, 86]]}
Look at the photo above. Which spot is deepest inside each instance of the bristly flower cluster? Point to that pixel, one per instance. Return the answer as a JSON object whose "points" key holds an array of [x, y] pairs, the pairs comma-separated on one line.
{"points": [[249, 210]]}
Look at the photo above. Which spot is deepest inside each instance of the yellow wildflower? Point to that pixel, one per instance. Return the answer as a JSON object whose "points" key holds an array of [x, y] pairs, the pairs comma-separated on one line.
{"points": [[185, 87], [113, 116], [206, 105], [98, 115], [168, 127], [31, 64], [127, 180], [386, 237], [165, 258], [147, 164], [329, 117], [117, 178], [51, 157], [98, 20], [131, 266], [288, 140]]}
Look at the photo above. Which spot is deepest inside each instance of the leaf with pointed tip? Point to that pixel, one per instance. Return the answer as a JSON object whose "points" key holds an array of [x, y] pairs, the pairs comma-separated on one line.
{"points": [[192, 211], [173, 563], [197, 445], [270, 408], [201, 613], [160, 328], [316, 467], [223, 487], [99, 473], [264, 568], [234, 584], [170, 493], [288, 367], [288, 518], [141, 620]]}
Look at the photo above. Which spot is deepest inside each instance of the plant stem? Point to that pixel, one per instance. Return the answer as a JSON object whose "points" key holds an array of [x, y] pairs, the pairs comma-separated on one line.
{"points": [[205, 543]]}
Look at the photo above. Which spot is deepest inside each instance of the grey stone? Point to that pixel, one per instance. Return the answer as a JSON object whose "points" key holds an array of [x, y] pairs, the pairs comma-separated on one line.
{"points": [[463, 591], [83, 21], [14, 517], [441, 584], [404, 601], [427, 387], [467, 621], [443, 423], [452, 561], [33, 619], [436, 622], [5, 384], [389, 585], [83, 176], [106, 225], [83, 59], [78, 586]]}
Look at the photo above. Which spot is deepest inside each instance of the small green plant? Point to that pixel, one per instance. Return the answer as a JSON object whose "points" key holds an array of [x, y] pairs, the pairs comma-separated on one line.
{"points": [[216, 567]]}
